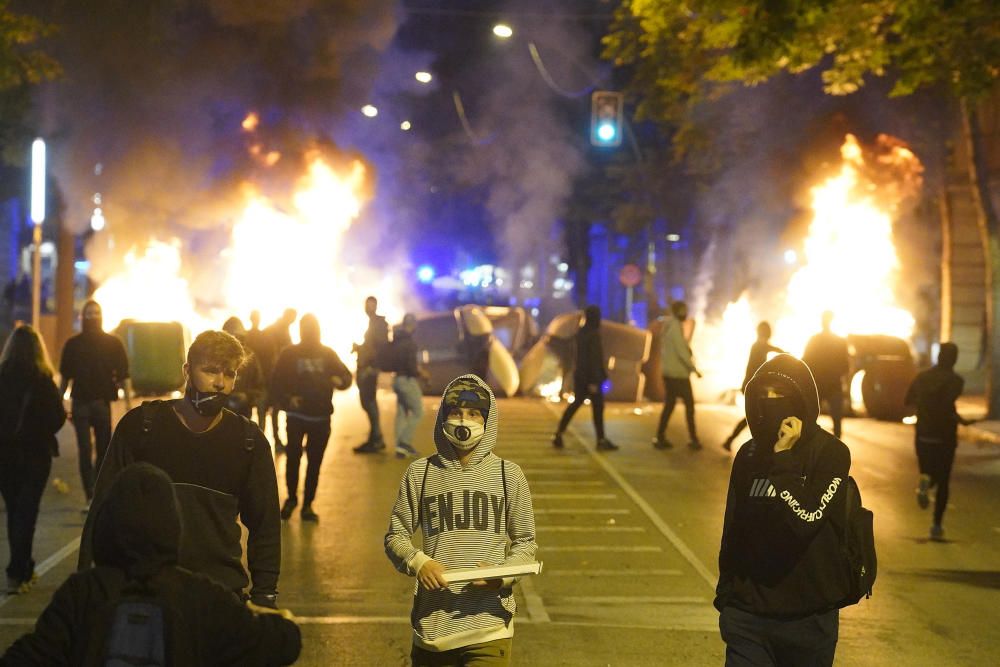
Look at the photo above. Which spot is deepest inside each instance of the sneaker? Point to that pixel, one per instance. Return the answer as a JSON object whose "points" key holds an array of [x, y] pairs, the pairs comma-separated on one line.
{"points": [[288, 508], [557, 441], [404, 450], [937, 532], [370, 447], [605, 445], [308, 514], [694, 444], [922, 498], [662, 443]]}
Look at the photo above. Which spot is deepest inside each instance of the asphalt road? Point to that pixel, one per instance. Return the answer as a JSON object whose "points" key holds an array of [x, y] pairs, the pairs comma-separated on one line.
{"points": [[629, 540]]}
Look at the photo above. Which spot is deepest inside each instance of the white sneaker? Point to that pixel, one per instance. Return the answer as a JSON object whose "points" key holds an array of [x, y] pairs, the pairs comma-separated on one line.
{"points": [[404, 451]]}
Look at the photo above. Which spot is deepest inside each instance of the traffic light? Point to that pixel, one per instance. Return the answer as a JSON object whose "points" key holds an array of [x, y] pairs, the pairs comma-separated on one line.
{"points": [[606, 118]]}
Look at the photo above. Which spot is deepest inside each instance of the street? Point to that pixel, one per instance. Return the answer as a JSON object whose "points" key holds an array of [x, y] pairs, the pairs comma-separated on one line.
{"points": [[629, 541]]}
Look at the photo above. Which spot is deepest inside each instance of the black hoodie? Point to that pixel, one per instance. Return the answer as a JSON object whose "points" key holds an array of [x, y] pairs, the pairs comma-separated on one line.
{"points": [[137, 536], [590, 367], [780, 554]]}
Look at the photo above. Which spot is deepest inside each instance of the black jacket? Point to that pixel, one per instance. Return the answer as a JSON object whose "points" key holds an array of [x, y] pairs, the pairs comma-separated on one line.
{"points": [[139, 529], [376, 338], [780, 553], [934, 392], [35, 404], [590, 367], [306, 371], [402, 354]]}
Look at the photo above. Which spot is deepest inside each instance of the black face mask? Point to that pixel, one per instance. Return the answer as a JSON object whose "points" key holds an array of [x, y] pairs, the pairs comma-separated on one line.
{"points": [[773, 411], [206, 403]]}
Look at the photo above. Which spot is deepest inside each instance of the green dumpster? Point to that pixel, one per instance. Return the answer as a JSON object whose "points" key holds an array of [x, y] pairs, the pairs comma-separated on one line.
{"points": [[156, 352]]}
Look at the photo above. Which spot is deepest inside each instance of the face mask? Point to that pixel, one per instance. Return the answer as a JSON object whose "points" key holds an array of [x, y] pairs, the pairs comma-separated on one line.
{"points": [[463, 434], [206, 403], [773, 412]]}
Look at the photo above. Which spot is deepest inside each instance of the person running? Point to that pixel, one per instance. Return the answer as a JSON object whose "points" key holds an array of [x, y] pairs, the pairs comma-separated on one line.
{"points": [[278, 332], [260, 343], [589, 373], [221, 467], [933, 393], [94, 364], [473, 508], [827, 357], [677, 365], [758, 355], [369, 353], [31, 413], [305, 376], [137, 548]]}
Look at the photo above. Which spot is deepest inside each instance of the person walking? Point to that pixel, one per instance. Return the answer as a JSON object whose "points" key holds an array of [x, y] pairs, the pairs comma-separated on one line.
{"points": [[459, 623], [280, 337], [677, 365], [369, 353], [589, 373], [782, 577], [261, 344], [94, 366], [250, 380], [406, 384], [758, 355], [31, 413], [221, 467], [305, 376], [137, 549], [827, 357], [933, 393]]}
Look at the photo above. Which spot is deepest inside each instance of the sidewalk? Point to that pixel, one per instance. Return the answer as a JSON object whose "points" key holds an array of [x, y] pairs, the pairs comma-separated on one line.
{"points": [[974, 407]]}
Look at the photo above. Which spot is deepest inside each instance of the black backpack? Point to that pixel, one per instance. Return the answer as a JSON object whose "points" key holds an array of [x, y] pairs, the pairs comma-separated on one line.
{"points": [[857, 545], [138, 629]]}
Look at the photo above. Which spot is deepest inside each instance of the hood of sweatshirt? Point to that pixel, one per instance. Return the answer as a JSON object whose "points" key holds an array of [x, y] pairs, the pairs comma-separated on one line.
{"points": [[468, 391], [138, 528], [792, 379]]}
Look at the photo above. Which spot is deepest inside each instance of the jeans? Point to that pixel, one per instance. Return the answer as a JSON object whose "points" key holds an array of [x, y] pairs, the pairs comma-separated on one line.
{"points": [[91, 414], [409, 408], [22, 484], [488, 654], [756, 641], [367, 386], [596, 409], [677, 388], [315, 434]]}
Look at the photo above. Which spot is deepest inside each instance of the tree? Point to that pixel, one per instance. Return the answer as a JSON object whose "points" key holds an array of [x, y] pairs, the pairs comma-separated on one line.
{"points": [[685, 53]]}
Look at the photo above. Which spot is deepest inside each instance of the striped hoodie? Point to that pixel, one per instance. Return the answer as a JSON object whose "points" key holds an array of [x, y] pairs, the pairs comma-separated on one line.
{"points": [[480, 513]]}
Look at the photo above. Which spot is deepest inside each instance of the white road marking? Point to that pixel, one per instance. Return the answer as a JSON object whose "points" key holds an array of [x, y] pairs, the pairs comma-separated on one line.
{"points": [[603, 548], [533, 601], [569, 482], [629, 599], [49, 563], [581, 510], [590, 529], [612, 573], [574, 496]]}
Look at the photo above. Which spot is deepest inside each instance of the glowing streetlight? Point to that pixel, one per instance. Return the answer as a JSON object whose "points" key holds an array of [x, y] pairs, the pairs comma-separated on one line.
{"points": [[369, 110], [405, 126], [503, 31], [423, 77], [673, 238], [97, 220], [37, 217]]}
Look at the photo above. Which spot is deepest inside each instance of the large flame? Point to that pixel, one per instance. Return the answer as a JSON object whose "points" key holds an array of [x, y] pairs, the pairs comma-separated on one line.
{"points": [[275, 259], [847, 264]]}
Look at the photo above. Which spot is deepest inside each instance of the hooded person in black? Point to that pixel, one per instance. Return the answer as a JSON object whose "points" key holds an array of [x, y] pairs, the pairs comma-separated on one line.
{"points": [[781, 574], [933, 393], [589, 373], [137, 539]]}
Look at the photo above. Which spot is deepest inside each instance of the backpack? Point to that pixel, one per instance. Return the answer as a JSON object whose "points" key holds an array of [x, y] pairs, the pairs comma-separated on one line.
{"points": [[138, 629], [857, 545], [149, 409]]}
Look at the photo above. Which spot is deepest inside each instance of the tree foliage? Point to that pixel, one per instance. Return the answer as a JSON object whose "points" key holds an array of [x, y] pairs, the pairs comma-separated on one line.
{"points": [[21, 61]]}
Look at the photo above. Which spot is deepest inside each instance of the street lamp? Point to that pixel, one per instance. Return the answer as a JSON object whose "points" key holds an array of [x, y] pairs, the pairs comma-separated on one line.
{"points": [[405, 126], [423, 77], [503, 31], [37, 217], [369, 110]]}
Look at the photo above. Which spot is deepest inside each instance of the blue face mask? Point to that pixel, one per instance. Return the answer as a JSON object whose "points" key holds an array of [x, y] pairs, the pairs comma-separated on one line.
{"points": [[205, 403]]}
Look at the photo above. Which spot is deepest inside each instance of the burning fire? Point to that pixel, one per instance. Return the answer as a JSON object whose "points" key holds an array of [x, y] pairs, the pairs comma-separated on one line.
{"points": [[275, 259], [847, 264]]}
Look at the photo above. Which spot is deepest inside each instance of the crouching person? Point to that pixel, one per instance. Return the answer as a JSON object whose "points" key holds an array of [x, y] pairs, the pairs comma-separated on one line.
{"points": [[473, 509], [173, 616]]}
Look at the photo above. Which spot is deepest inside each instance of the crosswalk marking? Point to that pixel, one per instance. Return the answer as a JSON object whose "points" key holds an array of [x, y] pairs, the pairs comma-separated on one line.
{"points": [[593, 572], [581, 510], [604, 548], [590, 529], [574, 496]]}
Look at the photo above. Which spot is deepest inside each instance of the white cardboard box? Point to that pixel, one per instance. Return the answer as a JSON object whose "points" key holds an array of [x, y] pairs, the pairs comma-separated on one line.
{"points": [[492, 572]]}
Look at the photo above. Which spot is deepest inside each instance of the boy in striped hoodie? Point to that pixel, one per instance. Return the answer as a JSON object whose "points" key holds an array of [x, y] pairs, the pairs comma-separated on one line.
{"points": [[473, 509]]}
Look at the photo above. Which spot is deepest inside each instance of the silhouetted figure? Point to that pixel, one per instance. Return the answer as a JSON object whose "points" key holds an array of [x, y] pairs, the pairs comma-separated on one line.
{"points": [[250, 379], [280, 339], [827, 357], [677, 365], [589, 373], [758, 355], [262, 346], [369, 353], [933, 393]]}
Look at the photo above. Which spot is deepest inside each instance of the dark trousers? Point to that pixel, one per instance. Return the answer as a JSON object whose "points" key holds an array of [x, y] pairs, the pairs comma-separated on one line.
{"points": [[22, 483], [739, 428], [315, 435], [677, 388], [833, 396], [756, 641], [596, 408], [367, 386], [935, 459], [91, 415]]}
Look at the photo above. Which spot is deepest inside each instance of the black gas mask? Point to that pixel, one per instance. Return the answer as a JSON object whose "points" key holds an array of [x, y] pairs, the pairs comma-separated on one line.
{"points": [[772, 412]]}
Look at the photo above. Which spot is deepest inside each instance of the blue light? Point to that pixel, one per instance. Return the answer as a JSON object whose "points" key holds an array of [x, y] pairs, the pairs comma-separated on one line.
{"points": [[606, 131], [425, 274]]}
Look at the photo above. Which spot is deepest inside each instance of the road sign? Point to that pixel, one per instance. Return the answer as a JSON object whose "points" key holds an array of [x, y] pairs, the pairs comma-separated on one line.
{"points": [[630, 275]]}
